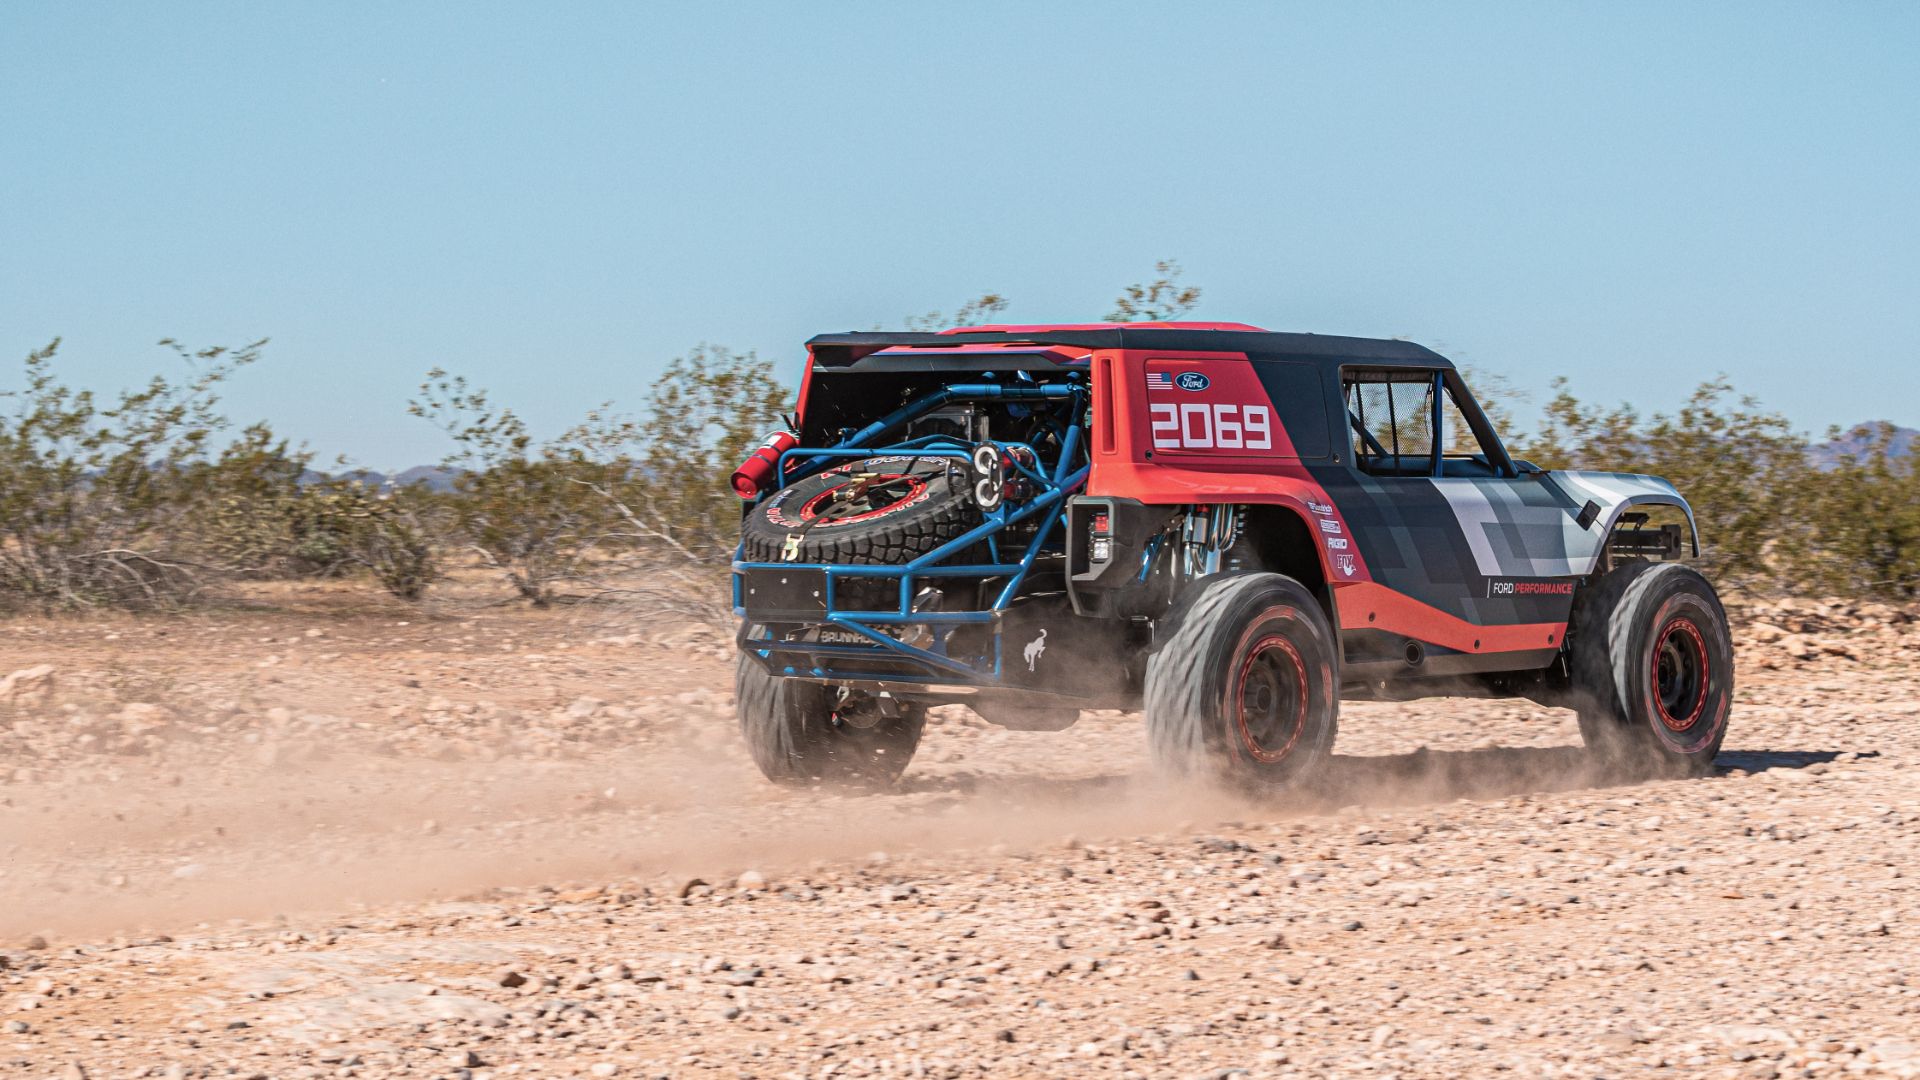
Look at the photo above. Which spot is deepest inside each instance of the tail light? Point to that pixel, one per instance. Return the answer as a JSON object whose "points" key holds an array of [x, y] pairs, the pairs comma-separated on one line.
{"points": [[1101, 548], [757, 472]]}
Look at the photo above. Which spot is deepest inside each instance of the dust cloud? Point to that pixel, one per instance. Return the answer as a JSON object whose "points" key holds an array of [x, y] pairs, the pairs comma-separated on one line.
{"points": [[186, 842]]}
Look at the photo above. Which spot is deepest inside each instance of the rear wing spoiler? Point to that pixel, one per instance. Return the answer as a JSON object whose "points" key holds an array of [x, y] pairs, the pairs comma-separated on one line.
{"points": [[840, 350]]}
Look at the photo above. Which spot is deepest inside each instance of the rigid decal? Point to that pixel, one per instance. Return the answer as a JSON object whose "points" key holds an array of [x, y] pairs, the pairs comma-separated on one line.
{"points": [[1035, 649], [1221, 426], [1510, 587]]}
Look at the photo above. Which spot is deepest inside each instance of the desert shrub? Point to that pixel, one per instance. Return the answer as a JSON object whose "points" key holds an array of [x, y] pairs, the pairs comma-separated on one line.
{"points": [[980, 309], [96, 497], [1866, 524], [1161, 300], [1744, 470], [524, 506], [616, 504], [247, 516], [341, 524], [709, 411]]}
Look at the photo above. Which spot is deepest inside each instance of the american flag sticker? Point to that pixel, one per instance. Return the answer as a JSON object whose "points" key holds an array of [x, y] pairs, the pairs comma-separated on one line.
{"points": [[1159, 380]]}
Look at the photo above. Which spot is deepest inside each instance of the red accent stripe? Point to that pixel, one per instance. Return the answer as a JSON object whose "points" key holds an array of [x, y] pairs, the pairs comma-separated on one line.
{"points": [[1041, 328], [1367, 605]]}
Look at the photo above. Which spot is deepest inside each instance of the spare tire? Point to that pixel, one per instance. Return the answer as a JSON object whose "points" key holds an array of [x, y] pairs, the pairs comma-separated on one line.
{"points": [[878, 511]]}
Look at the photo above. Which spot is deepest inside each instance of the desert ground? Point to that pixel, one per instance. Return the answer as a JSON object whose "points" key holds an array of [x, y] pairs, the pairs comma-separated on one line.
{"points": [[333, 838]]}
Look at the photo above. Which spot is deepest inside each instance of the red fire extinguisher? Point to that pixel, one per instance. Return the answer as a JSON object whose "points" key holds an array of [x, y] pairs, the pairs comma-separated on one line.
{"points": [[753, 475]]}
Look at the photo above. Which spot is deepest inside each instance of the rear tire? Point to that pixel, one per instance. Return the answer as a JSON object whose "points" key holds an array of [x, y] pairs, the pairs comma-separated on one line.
{"points": [[1242, 683], [796, 737], [1652, 665]]}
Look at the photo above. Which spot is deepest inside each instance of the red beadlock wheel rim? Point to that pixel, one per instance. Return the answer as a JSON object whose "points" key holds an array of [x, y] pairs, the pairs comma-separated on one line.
{"points": [[1270, 697], [886, 489], [1680, 675]]}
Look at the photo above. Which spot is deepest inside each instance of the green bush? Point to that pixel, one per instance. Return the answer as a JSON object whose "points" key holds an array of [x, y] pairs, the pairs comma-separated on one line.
{"points": [[1866, 523], [97, 500]]}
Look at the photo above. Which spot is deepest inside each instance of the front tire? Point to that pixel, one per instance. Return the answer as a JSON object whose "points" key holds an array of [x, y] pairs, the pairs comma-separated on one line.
{"points": [[798, 734], [1242, 684], [1653, 670]]}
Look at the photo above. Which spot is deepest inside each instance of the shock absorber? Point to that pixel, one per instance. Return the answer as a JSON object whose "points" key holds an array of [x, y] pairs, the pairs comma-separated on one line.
{"points": [[1206, 533]]}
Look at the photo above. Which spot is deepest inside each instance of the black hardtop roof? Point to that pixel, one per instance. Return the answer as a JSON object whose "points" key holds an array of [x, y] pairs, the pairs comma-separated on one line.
{"points": [[836, 350]]}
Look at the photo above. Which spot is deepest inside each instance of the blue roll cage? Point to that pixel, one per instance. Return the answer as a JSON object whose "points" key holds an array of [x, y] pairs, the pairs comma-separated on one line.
{"points": [[1053, 481]]}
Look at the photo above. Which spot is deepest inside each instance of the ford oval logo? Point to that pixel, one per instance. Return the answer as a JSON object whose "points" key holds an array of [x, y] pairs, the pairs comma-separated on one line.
{"points": [[1191, 380]]}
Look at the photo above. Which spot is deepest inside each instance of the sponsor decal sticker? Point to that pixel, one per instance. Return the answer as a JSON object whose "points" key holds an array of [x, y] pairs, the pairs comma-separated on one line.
{"points": [[1159, 380], [1344, 563], [1192, 381], [1328, 525], [1336, 543], [1516, 587], [1319, 508]]}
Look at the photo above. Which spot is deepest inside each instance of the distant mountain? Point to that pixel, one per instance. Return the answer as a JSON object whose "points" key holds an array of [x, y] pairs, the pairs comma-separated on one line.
{"points": [[431, 477], [1859, 441]]}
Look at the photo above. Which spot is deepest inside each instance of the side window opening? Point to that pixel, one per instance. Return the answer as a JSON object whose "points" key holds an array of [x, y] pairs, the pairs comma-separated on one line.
{"points": [[1399, 417]]}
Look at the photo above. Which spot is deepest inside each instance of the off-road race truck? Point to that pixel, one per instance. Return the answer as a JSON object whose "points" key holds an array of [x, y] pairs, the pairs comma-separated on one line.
{"points": [[1230, 528]]}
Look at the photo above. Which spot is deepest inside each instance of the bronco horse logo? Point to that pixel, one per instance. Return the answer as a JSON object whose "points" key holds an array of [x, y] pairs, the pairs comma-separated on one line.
{"points": [[1035, 648]]}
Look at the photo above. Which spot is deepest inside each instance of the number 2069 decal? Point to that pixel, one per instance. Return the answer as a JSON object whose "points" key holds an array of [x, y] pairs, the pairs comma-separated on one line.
{"points": [[1219, 426]]}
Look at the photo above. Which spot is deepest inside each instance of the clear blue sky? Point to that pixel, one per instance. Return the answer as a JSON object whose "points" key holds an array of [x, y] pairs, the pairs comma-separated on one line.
{"points": [[556, 198]]}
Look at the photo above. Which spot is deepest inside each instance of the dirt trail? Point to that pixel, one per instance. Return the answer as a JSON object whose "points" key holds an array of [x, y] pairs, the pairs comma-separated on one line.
{"points": [[447, 858]]}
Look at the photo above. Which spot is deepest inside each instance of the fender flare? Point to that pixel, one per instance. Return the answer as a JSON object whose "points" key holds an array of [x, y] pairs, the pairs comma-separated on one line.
{"points": [[1678, 503], [1613, 494]]}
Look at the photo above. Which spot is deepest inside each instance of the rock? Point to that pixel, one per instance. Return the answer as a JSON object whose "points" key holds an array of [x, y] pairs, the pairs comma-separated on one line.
{"points": [[510, 978], [1898, 1056], [141, 717], [34, 943], [684, 887], [604, 1068], [1799, 647], [751, 879], [584, 708], [1746, 1034], [28, 683], [466, 1059], [19, 1027]]}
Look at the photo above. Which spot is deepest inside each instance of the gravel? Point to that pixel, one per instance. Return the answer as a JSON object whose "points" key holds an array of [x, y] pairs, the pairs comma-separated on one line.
{"points": [[616, 894]]}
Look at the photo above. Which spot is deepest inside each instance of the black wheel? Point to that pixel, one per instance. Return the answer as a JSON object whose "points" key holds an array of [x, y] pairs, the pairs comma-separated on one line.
{"points": [[879, 510], [1652, 665], [802, 733], [1241, 682]]}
